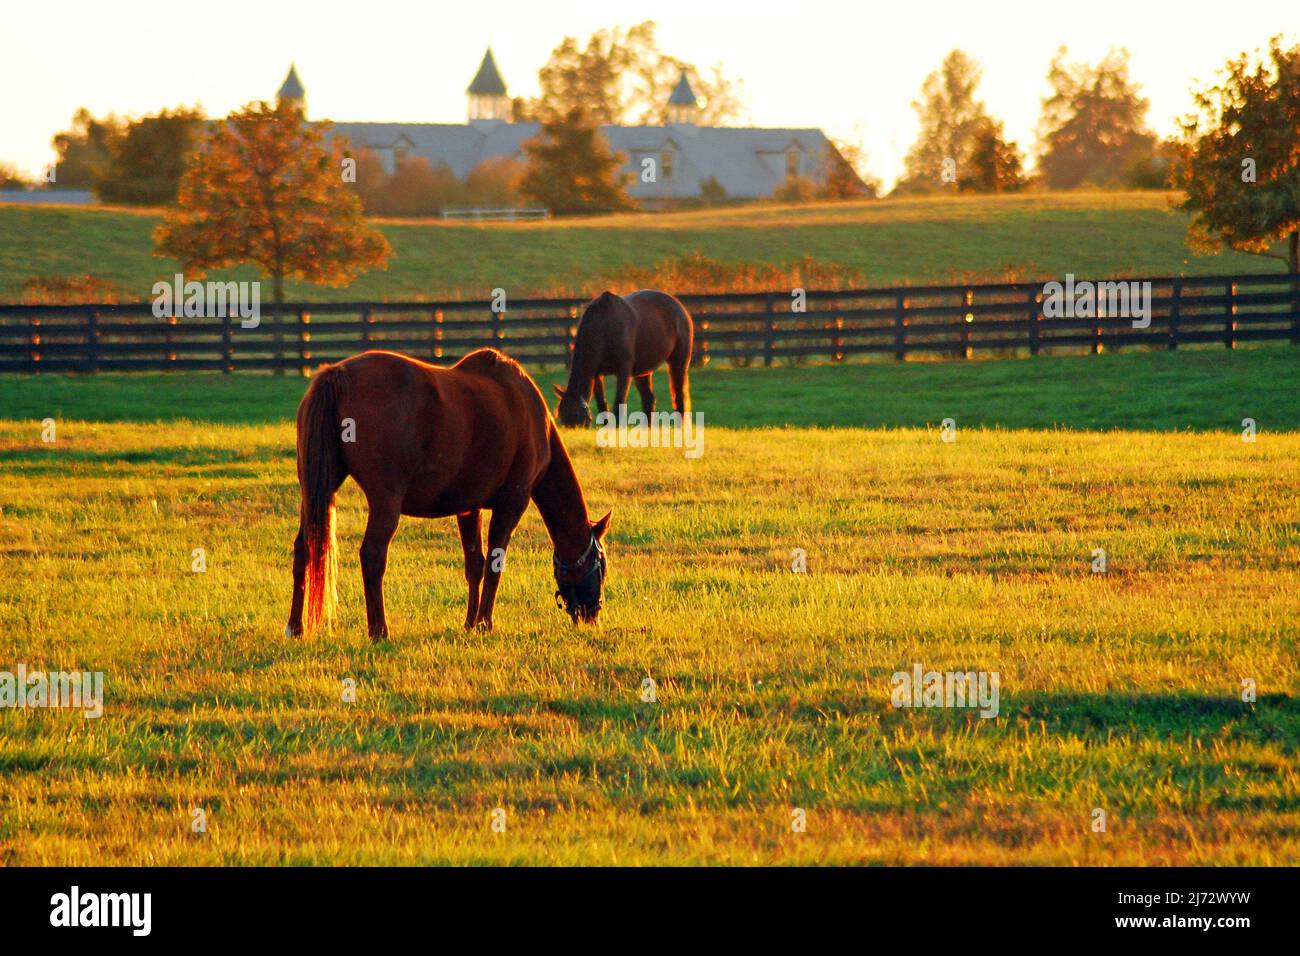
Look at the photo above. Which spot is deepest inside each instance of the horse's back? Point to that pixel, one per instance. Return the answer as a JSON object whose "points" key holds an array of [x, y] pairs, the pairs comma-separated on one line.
{"points": [[440, 429]]}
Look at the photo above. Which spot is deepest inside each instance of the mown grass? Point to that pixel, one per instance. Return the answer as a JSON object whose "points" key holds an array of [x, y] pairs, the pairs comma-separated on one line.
{"points": [[886, 242], [1120, 691]]}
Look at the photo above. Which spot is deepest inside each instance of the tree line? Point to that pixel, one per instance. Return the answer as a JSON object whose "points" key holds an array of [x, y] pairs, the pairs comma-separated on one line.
{"points": [[1236, 157]]}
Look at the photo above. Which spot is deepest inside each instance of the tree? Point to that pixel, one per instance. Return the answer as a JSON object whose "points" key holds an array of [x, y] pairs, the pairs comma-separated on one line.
{"points": [[795, 189], [622, 76], [147, 158], [418, 188], [571, 168], [587, 78], [494, 183], [370, 180], [84, 150], [11, 178], [950, 119], [1093, 124], [842, 176], [1239, 157], [994, 165], [264, 189]]}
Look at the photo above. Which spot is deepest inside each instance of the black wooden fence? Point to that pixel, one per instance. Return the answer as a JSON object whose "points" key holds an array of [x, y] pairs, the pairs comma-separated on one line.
{"points": [[739, 327]]}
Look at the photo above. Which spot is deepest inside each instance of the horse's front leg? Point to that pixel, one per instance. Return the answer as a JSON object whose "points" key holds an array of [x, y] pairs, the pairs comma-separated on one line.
{"points": [[294, 627], [470, 525], [505, 518], [624, 385], [380, 528], [602, 404]]}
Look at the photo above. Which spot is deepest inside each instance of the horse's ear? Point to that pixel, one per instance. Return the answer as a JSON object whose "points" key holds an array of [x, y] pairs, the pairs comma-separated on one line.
{"points": [[558, 390], [601, 526]]}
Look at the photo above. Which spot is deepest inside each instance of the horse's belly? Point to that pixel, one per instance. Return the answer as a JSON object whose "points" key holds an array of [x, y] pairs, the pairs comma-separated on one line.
{"points": [[422, 504]]}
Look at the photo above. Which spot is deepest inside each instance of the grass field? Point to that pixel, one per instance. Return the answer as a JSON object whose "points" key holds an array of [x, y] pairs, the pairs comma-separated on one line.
{"points": [[1119, 691], [885, 242]]}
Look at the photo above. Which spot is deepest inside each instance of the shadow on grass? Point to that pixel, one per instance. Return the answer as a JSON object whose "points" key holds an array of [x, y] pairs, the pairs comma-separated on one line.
{"points": [[1191, 389]]}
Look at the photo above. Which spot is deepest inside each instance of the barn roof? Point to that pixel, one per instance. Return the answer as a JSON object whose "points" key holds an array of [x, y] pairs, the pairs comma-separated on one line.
{"points": [[747, 162]]}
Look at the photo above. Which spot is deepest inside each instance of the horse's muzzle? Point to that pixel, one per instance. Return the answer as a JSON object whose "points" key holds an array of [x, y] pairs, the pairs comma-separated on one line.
{"points": [[581, 595]]}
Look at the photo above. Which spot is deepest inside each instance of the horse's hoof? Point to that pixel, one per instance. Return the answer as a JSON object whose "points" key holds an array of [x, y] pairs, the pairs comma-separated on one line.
{"points": [[290, 632]]}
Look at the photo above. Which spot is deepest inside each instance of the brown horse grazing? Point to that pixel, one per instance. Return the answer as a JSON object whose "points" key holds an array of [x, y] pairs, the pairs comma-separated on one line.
{"points": [[431, 442], [629, 336]]}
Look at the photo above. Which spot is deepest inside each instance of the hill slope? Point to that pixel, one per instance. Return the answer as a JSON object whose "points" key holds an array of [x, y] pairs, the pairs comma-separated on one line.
{"points": [[887, 241]]}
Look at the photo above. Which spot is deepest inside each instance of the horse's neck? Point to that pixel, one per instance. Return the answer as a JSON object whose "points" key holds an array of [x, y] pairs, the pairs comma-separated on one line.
{"points": [[586, 357], [559, 499]]}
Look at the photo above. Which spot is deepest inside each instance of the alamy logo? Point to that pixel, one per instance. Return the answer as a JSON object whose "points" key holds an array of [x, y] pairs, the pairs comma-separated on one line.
{"points": [[134, 910], [210, 300], [1092, 300], [656, 430], [80, 690], [922, 688]]}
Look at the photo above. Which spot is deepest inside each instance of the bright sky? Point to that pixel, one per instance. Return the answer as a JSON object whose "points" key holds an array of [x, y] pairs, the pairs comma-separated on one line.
{"points": [[848, 67]]}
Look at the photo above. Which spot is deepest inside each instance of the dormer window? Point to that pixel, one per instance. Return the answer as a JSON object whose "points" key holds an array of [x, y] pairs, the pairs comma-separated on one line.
{"points": [[791, 163], [667, 164], [399, 154]]}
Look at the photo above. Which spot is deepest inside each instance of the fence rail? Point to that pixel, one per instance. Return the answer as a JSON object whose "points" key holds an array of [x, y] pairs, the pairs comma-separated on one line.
{"points": [[746, 327]]}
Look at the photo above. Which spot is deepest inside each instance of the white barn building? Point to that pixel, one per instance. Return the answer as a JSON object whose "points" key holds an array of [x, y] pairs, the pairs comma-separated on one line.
{"points": [[748, 163]]}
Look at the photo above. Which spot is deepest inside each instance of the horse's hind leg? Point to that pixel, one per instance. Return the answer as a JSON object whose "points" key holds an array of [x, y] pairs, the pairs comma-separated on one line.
{"points": [[380, 527], [645, 385], [294, 627], [504, 519], [679, 384], [470, 525]]}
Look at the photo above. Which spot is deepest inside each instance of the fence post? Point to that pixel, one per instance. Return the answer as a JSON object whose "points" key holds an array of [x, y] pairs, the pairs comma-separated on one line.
{"points": [[1230, 312], [900, 327], [367, 320], [1175, 311], [304, 339], [92, 341], [435, 331], [967, 299], [1295, 310], [837, 341], [169, 338], [277, 337], [227, 345], [1034, 315], [498, 329], [704, 342], [33, 343], [769, 343]]}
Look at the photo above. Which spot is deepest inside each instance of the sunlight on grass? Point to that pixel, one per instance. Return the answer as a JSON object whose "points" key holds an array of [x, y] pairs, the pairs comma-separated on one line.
{"points": [[1119, 690]]}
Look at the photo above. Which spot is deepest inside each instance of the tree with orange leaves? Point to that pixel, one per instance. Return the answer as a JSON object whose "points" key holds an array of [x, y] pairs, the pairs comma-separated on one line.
{"points": [[265, 189]]}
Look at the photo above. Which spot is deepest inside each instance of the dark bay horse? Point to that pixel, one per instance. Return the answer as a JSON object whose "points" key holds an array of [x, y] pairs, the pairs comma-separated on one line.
{"points": [[628, 336], [431, 442]]}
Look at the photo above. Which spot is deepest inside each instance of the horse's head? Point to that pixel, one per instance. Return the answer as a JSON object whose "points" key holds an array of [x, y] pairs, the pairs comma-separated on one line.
{"points": [[580, 584], [573, 410]]}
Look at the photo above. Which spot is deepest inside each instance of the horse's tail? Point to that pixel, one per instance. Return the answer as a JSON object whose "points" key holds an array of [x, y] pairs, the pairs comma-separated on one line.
{"points": [[321, 470]]}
